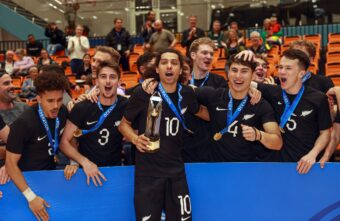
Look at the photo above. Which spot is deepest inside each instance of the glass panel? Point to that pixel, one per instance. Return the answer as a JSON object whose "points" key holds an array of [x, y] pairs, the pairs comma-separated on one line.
{"points": [[169, 21]]}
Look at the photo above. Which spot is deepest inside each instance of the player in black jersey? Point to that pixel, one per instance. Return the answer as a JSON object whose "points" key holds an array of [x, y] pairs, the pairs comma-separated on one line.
{"points": [[313, 80], [201, 54], [242, 131], [303, 112], [160, 180], [100, 143], [4, 130], [335, 135], [33, 140]]}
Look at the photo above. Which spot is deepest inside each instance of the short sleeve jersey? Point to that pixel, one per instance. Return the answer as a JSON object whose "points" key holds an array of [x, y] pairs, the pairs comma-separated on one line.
{"points": [[196, 145], [167, 161], [303, 127], [232, 146], [319, 82], [28, 137], [104, 145]]}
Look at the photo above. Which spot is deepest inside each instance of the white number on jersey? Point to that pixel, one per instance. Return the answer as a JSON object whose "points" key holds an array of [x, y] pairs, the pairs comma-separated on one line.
{"points": [[291, 124], [234, 131], [185, 204], [104, 139], [172, 126]]}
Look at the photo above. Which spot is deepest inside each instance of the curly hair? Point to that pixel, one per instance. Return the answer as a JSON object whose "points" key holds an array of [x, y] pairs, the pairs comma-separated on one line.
{"points": [[50, 81]]}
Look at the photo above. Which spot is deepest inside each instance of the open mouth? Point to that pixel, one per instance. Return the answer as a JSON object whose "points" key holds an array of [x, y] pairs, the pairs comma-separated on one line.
{"points": [[207, 62], [107, 89], [237, 82], [283, 79], [169, 74]]}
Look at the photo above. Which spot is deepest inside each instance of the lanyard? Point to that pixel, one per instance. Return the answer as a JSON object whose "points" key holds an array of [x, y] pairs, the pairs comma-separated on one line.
{"points": [[102, 117], [306, 77], [54, 143], [230, 115], [289, 108], [171, 105], [192, 81]]}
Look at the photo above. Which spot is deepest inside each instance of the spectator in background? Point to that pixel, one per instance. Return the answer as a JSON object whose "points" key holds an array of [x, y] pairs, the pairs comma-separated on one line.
{"points": [[267, 35], [33, 47], [78, 45], [275, 26], [216, 35], [23, 63], [161, 39], [85, 68], [186, 71], [232, 46], [57, 38], [119, 39], [28, 89], [147, 28], [256, 45], [234, 27], [44, 59], [8, 64], [191, 34]]}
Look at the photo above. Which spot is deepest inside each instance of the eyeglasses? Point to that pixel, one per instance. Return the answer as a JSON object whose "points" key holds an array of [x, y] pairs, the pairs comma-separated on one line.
{"points": [[263, 65]]}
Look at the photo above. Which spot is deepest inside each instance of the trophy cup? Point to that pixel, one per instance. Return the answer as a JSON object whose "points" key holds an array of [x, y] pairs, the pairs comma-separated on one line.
{"points": [[153, 121]]}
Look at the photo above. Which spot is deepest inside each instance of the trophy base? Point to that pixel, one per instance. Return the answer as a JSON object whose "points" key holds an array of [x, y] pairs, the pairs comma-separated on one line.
{"points": [[153, 147]]}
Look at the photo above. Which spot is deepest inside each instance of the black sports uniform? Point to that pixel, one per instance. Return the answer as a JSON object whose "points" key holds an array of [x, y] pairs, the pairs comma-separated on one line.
{"points": [[232, 146], [319, 82], [103, 146], [196, 145], [160, 181], [28, 137], [303, 128]]}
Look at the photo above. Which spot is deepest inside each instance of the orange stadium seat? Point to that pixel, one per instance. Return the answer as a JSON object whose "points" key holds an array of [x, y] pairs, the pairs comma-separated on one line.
{"points": [[138, 48], [220, 63], [336, 79], [72, 78], [333, 37], [2, 57], [289, 39], [219, 71], [133, 59], [61, 59], [275, 50], [333, 56], [91, 51], [313, 68], [284, 48], [179, 47], [60, 53], [75, 94], [17, 81], [332, 68], [129, 79], [333, 46], [316, 39]]}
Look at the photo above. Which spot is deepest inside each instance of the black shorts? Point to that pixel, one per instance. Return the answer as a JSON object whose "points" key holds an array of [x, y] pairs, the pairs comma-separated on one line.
{"points": [[153, 194]]}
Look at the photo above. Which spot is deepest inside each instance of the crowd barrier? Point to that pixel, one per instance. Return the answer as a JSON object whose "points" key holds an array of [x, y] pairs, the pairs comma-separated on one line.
{"points": [[219, 191]]}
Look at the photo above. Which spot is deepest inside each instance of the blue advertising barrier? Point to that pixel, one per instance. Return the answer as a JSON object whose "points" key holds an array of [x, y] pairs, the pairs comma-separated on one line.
{"points": [[219, 191]]}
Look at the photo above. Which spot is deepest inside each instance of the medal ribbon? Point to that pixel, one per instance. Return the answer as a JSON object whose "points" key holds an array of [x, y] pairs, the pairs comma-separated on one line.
{"points": [[290, 108], [230, 115], [102, 117], [192, 81], [306, 77], [171, 105], [53, 143]]}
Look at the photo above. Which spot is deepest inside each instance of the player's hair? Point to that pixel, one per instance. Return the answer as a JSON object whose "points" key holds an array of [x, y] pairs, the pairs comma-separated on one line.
{"points": [[240, 60], [144, 59], [302, 57], [50, 81], [115, 56], [201, 41], [112, 65], [309, 46]]}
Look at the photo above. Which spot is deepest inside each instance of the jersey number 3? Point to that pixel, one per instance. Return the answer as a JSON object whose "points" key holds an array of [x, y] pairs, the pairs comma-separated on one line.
{"points": [[104, 138]]}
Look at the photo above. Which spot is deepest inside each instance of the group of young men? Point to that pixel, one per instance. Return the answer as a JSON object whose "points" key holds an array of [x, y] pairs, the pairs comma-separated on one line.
{"points": [[212, 121]]}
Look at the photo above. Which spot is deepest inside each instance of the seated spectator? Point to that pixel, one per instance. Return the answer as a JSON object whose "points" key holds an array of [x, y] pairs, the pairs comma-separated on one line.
{"points": [[234, 26], [8, 64], [44, 59], [85, 69], [33, 47], [23, 63], [28, 89], [216, 34], [78, 45], [232, 46], [256, 45], [275, 26], [267, 35], [57, 38]]}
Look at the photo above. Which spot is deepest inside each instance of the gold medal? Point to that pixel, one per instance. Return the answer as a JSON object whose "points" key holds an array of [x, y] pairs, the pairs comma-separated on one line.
{"points": [[217, 136], [282, 130], [77, 133], [56, 159]]}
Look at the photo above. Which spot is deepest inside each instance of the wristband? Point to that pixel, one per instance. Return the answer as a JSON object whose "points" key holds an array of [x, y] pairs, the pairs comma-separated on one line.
{"points": [[29, 195], [74, 163]]}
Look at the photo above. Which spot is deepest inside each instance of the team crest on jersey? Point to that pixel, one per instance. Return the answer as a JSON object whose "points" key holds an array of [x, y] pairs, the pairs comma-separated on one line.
{"points": [[306, 113], [117, 123], [184, 110], [248, 116]]}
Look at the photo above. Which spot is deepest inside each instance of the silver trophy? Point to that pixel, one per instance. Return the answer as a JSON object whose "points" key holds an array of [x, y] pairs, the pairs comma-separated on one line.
{"points": [[153, 121]]}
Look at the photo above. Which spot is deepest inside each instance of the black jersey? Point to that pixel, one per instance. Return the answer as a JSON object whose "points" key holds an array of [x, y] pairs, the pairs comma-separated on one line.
{"points": [[103, 146], [196, 145], [2, 123], [303, 127], [232, 146], [28, 137], [167, 162], [319, 82]]}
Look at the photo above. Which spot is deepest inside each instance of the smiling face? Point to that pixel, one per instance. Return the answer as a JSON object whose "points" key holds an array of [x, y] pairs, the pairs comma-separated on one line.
{"points": [[202, 59], [240, 77], [107, 82], [260, 71], [290, 74], [169, 68], [7, 93]]}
